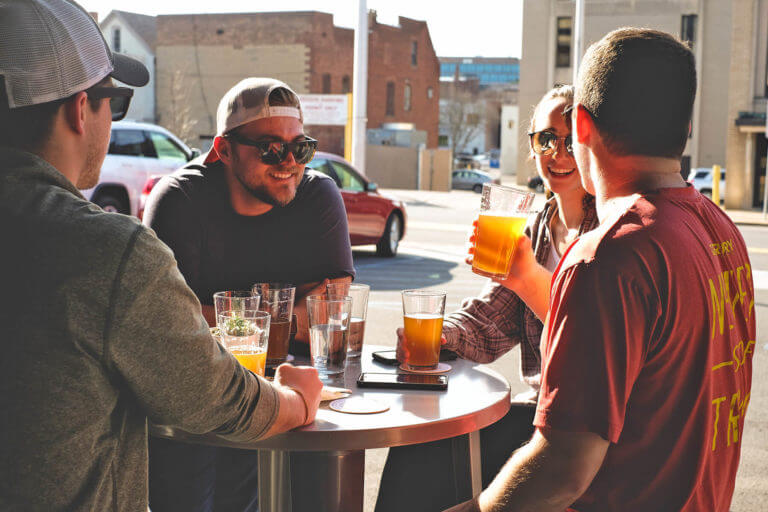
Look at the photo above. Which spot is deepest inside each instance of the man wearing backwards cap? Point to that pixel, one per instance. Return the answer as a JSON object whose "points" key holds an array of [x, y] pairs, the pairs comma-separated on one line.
{"points": [[246, 213], [98, 329]]}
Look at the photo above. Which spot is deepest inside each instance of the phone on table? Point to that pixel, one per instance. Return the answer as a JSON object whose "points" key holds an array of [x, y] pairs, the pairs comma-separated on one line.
{"points": [[390, 356], [402, 381]]}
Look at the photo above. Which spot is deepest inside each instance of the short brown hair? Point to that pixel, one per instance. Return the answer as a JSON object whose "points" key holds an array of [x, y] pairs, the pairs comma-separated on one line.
{"points": [[639, 86], [29, 128]]}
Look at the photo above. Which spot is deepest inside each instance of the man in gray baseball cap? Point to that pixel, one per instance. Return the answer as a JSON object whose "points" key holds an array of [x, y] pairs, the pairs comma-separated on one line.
{"points": [[99, 330]]}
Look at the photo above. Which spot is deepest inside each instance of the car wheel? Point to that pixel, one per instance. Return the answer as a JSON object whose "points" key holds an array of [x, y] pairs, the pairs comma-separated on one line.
{"points": [[478, 188], [390, 241], [112, 204], [706, 192], [540, 188]]}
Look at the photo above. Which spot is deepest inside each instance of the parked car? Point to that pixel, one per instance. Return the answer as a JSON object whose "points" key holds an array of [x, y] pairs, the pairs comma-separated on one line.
{"points": [[470, 179], [374, 218], [137, 152], [701, 178]]}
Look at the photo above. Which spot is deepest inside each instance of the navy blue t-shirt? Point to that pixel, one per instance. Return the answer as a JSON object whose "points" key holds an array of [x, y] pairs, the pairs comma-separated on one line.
{"points": [[218, 249]]}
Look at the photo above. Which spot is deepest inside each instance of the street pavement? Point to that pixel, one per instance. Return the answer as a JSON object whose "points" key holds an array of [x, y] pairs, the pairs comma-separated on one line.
{"points": [[432, 256]]}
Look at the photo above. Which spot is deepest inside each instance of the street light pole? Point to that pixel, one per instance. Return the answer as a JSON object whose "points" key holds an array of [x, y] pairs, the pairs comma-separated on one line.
{"points": [[578, 38], [360, 88]]}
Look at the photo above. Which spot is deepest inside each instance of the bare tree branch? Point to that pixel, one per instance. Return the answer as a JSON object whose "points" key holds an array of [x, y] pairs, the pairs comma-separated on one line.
{"points": [[464, 116]]}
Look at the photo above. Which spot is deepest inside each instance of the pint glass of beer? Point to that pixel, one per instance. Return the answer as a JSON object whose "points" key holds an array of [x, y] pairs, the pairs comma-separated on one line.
{"points": [[329, 333], [423, 321], [503, 214], [277, 299]]}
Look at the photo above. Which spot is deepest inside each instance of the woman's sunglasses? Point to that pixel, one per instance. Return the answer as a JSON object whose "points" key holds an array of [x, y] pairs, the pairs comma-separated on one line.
{"points": [[273, 153], [545, 142], [119, 99]]}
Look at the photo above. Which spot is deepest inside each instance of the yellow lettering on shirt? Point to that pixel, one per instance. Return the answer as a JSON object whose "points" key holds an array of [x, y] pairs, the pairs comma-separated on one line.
{"points": [[733, 420], [716, 402]]}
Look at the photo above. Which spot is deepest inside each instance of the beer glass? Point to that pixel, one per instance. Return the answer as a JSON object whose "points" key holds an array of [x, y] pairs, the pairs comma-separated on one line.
{"points": [[245, 333], [503, 214], [277, 299], [239, 300], [423, 321], [359, 294], [328, 333]]}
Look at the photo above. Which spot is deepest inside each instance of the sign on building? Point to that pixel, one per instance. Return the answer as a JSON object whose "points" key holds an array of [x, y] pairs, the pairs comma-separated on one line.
{"points": [[325, 109]]}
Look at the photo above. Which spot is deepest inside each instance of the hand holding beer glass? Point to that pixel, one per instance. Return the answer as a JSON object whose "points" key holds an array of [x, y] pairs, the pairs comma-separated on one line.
{"points": [[423, 312], [503, 214]]}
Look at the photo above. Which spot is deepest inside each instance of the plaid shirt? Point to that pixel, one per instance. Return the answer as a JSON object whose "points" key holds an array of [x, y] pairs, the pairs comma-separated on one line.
{"points": [[489, 326]]}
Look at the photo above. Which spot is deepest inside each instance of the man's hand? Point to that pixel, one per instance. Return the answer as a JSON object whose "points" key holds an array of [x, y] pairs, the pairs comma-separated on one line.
{"points": [[471, 241], [300, 309], [304, 381], [402, 350], [298, 389]]}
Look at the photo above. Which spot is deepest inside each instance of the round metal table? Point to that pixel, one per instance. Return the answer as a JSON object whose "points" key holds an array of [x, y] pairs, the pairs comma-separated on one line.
{"points": [[321, 466]]}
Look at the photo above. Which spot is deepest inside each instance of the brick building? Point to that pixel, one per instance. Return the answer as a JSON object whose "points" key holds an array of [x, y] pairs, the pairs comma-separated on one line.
{"points": [[199, 57]]}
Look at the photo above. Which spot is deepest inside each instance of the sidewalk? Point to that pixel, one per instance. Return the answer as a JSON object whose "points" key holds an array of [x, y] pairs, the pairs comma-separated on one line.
{"points": [[747, 217]]}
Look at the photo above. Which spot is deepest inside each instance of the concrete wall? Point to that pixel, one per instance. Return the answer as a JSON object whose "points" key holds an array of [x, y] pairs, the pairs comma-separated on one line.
{"points": [[435, 170], [143, 102], [510, 142], [392, 166], [409, 168], [738, 192], [223, 67]]}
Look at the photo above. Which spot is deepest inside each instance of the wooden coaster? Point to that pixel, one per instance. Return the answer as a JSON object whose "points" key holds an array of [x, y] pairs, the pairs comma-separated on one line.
{"points": [[441, 368], [358, 405]]}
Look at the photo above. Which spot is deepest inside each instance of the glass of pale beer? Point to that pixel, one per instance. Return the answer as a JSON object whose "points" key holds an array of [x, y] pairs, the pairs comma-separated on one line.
{"points": [[277, 299], [423, 321], [503, 214], [245, 333], [359, 294]]}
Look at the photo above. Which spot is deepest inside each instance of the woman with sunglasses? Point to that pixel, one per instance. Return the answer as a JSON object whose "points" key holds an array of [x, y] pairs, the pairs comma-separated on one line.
{"points": [[488, 326]]}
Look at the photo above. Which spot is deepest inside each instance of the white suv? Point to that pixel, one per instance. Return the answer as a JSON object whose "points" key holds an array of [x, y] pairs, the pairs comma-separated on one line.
{"points": [[137, 152]]}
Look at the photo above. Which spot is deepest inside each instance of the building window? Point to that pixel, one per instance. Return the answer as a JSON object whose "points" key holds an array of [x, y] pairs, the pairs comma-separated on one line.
{"points": [[116, 40], [390, 98], [688, 29], [345, 84], [407, 98], [414, 53], [430, 93], [564, 35], [326, 83]]}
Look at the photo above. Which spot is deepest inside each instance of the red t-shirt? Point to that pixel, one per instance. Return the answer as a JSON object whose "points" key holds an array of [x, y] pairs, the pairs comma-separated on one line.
{"points": [[649, 344]]}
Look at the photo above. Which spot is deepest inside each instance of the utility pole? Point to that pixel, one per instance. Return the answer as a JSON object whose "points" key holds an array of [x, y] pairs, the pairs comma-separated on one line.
{"points": [[578, 38], [360, 88]]}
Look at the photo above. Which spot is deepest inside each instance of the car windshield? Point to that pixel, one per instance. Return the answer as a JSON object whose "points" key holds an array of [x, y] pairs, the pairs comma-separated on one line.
{"points": [[701, 174]]}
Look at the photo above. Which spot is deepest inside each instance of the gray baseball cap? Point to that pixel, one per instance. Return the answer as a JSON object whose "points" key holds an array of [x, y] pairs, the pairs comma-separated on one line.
{"points": [[249, 101], [52, 49]]}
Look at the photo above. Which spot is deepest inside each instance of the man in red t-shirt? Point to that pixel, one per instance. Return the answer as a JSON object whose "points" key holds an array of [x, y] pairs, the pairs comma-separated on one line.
{"points": [[650, 332]]}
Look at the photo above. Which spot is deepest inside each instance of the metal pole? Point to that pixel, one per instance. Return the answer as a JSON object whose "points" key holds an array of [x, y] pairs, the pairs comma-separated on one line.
{"points": [[360, 88], [578, 38]]}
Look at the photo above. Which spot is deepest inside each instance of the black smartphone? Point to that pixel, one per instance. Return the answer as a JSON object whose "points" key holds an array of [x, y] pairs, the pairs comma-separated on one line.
{"points": [[389, 356], [402, 381], [386, 357]]}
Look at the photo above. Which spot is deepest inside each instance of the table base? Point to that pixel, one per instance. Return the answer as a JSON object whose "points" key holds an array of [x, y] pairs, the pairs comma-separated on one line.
{"points": [[318, 481]]}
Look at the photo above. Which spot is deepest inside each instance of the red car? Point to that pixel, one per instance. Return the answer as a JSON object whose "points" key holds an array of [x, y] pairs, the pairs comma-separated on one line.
{"points": [[373, 218]]}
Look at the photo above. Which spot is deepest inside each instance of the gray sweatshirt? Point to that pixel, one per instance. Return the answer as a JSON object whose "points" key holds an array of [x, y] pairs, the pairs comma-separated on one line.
{"points": [[99, 332]]}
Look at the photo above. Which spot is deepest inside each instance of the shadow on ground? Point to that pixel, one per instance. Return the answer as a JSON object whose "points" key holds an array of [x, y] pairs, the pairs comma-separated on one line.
{"points": [[402, 272]]}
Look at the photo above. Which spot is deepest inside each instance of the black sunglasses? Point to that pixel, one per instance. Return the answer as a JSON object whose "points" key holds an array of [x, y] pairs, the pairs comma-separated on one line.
{"points": [[273, 153], [545, 142], [119, 99]]}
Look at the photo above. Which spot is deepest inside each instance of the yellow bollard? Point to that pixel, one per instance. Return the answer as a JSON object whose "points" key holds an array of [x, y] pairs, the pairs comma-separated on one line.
{"points": [[716, 184]]}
